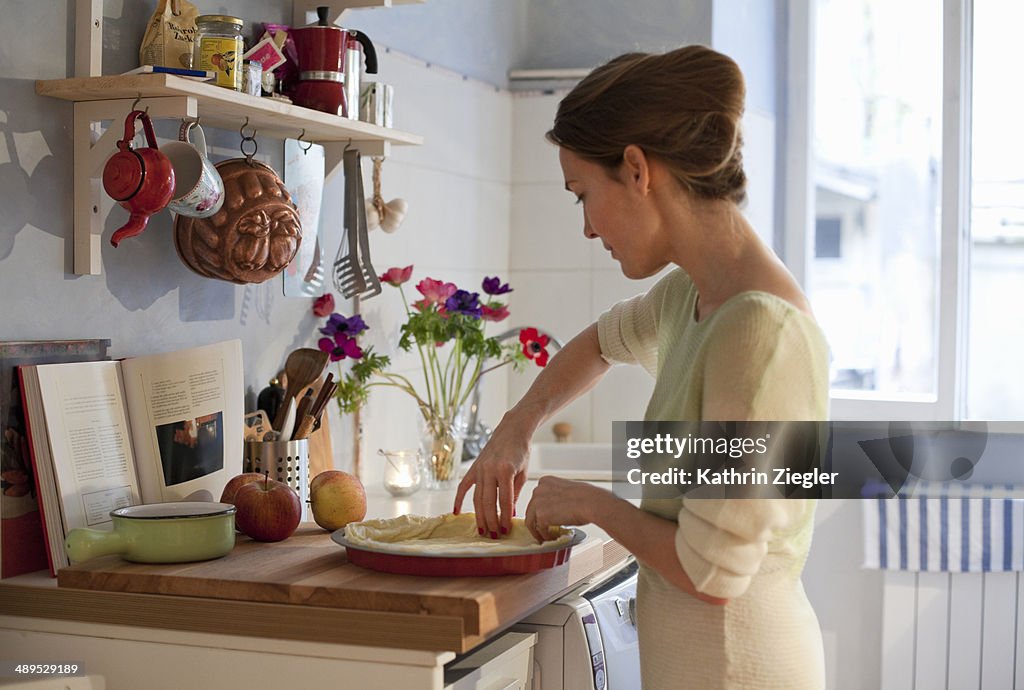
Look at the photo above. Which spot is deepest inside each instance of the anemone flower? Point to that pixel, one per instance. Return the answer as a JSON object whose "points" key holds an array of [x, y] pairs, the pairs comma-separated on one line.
{"points": [[534, 346], [494, 286], [434, 291], [323, 305], [499, 312], [396, 276], [464, 302], [340, 346]]}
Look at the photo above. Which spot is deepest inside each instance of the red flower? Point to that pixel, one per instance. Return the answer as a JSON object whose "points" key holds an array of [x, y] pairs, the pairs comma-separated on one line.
{"points": [[534, 345], [499, 313], [324, 304], [396, 276]]}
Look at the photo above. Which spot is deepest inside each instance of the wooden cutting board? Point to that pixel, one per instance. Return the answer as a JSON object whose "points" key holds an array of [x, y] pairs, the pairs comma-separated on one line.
{"points": [[309, 569]]}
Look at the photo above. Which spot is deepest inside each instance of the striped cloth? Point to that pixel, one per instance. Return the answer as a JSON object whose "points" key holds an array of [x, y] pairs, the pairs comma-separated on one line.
{"points": [[980, 529]]}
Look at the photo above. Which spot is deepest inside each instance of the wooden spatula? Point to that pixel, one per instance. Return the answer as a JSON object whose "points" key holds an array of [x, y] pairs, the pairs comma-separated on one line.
{"points": [[303, 367]]}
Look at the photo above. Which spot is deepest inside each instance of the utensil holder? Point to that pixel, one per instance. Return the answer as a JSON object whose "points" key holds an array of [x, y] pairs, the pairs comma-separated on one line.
{"points": [[287, 461]]}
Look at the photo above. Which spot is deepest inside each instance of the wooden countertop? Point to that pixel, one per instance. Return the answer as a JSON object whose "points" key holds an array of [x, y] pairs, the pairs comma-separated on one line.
{"points": [[303, 589]]}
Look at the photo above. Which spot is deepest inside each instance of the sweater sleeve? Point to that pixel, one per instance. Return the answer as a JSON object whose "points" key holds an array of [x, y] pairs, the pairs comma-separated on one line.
{"points": [[768, 363], [628, 332]]}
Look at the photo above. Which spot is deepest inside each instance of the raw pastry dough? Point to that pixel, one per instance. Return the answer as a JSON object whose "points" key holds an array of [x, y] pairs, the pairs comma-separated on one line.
{"points": [[446, 535]]}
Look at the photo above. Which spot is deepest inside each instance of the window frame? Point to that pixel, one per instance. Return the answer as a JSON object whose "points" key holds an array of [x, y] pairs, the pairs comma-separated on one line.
{"points": [[797, 222]]}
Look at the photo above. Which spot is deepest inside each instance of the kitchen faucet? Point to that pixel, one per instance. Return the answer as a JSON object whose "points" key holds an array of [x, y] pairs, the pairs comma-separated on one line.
{"points": [[477, 433]]}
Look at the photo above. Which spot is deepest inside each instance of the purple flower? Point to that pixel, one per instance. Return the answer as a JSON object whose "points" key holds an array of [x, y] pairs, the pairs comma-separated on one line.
{"points": [[464, 302], [350, 327], [340, 347], [493, 286]]}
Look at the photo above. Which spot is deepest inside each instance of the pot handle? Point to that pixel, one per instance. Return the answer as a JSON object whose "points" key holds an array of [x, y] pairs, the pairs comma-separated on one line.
{"points": [[83, 544], [368, 50], [129, 130]]}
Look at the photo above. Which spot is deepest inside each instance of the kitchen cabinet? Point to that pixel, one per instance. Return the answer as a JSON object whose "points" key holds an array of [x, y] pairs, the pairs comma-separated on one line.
{"points": [[290, 614], [99, 98]]}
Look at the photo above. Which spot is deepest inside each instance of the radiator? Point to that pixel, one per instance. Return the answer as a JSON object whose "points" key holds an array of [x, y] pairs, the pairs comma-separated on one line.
{"points": [[954, 631], [953, 596]]}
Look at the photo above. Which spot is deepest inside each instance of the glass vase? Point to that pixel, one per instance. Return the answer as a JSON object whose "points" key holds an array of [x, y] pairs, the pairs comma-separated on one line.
{"points": [[441, 446]]}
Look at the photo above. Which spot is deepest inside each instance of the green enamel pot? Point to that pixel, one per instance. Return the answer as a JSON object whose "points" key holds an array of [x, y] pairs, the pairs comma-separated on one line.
{"points": [[177, 532]]}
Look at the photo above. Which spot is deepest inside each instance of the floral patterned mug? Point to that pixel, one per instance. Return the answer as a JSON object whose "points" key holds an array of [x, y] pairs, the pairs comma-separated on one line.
{"points": [[198, 188]]}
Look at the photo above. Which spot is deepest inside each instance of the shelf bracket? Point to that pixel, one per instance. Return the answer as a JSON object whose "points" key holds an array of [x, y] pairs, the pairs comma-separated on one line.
{"points": [[334, 153], [92, 146]]}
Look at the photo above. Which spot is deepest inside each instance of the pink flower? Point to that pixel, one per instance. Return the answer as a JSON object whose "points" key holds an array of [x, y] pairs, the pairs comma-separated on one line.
{"points": [[500, 313], [396, 276], [435, 291], [324, 304]]}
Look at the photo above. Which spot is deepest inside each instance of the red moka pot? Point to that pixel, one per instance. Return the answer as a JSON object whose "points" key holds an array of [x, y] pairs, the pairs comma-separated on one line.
{"points": [[322, 52]]}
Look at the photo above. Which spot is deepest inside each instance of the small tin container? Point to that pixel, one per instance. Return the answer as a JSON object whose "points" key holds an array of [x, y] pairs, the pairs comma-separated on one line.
{"points": [[219, 48]]}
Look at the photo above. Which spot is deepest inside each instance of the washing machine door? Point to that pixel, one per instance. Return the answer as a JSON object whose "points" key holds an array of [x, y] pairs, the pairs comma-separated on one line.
{"points": [[614, 604]]}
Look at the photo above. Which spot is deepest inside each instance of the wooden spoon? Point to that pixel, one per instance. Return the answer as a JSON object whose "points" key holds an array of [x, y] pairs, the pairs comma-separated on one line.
{"points": [[303, 367]]}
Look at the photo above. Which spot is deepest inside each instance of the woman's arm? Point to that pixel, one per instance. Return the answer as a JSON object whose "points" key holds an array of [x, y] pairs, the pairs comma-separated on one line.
{"points": [[650, 538], [500, 470]]}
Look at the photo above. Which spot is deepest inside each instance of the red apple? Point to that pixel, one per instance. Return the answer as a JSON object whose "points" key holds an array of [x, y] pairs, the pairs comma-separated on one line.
{"points": [[268, 510], [337, 498], [236, 483]]}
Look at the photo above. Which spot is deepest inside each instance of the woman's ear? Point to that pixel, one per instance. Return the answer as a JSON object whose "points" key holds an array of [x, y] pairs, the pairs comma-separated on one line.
{"points": [[636, 167]]}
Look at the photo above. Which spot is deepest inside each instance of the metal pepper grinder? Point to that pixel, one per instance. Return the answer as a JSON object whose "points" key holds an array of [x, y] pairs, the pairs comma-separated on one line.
{"points": [[356, 43]]}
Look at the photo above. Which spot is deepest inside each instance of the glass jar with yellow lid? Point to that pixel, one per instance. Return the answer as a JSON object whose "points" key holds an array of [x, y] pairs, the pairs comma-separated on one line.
{"points": [[219, 48]]}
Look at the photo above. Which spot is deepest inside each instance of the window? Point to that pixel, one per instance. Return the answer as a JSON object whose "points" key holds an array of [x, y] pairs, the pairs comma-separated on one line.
{"points": [[876, 154], [995, 326], [903, 220]]}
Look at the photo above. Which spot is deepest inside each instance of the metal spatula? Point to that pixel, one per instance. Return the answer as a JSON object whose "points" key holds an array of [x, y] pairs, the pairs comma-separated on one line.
{"points": [[348, 272]]}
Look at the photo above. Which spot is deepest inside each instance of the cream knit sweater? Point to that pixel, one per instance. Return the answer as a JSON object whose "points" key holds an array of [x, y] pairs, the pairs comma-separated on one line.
{"points": [[757, 357]]}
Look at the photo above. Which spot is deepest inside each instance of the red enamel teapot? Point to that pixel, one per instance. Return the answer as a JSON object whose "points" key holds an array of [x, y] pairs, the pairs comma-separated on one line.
{"points": [[141, 180]]}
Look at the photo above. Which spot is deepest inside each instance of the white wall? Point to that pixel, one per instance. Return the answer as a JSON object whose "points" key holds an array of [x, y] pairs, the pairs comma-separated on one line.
{"points": [[457, 228]]}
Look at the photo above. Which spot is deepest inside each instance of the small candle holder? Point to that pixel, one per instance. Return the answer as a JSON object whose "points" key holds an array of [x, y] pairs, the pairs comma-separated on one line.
{"points": [[403, 471]]}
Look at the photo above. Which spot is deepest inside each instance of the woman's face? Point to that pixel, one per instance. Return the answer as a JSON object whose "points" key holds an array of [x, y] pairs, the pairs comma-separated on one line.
{"points": [[613, 211]]}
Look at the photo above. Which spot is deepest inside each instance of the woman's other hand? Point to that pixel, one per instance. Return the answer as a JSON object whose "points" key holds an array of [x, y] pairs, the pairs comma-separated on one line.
{"points": [[556, 502]]}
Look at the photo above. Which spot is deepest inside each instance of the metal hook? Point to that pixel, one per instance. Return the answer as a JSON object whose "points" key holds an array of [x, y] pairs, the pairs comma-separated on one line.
{"points": [[348, 145], [136, 103], [308, 146], [241, 130]]}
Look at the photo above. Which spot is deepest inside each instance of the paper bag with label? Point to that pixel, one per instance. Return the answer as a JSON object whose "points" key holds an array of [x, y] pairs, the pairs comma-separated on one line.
{"points": [[170, 35]]}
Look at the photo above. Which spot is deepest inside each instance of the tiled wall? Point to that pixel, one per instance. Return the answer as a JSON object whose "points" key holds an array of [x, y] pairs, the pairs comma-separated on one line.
{"points": [[564, 281]]}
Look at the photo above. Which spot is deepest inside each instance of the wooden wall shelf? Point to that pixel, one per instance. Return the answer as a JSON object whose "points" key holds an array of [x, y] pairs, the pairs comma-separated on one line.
{"points": [[99, 98], [224, 108]]}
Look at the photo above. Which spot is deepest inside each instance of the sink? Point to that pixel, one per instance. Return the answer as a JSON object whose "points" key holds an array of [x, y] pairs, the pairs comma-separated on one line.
{"points": [[584, 461]]}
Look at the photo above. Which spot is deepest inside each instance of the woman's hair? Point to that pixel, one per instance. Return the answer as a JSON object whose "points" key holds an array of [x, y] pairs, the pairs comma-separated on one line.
{"points": [[682, 107]]}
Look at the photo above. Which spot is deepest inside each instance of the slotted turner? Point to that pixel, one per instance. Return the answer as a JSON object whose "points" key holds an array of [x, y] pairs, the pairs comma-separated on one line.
{"points": [[348, 273]]}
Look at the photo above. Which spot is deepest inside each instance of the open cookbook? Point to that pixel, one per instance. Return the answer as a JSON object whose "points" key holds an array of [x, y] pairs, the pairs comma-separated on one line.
{"points": [[103, 435]]}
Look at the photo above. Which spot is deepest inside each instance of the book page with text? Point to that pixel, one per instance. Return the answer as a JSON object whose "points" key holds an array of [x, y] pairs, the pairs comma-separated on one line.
{"points": [[90, 440], [186, 410]]}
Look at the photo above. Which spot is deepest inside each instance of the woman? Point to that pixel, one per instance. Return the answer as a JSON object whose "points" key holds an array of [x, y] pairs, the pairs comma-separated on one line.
{"points": [[650, 146]]}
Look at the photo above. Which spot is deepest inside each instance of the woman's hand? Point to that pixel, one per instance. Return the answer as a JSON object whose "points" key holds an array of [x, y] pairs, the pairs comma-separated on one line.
{"points": [[557, 502], [500, 470], [499, 473]]}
